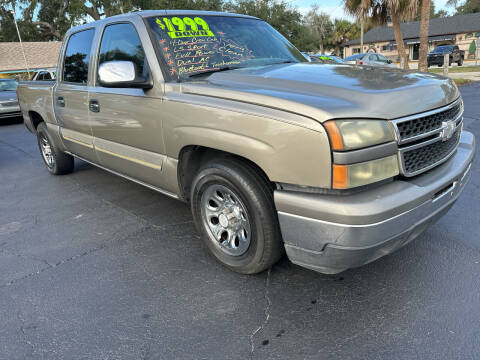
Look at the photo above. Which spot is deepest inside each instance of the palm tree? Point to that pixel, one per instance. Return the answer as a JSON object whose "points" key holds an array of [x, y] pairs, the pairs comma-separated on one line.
{"points": [[343, 31], [378, 11], [424, 23]]}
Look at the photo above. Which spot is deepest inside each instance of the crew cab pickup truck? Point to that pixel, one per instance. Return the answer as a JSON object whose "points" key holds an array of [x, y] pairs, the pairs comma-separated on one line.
{"points": [[455, 55], [335, 164]]}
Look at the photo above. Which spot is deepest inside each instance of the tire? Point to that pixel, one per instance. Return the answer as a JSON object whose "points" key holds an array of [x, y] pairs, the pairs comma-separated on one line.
{"points": [[56, 161], [228, 186], [460, 62]]}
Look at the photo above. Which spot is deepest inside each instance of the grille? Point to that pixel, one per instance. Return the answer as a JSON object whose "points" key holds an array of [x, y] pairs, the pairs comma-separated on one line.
{"points": [[10, 103], [422, 125], [426, 156]]}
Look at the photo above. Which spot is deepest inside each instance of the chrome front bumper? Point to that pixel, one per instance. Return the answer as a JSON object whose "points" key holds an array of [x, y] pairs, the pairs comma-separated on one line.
{"points": [[332, 233]]}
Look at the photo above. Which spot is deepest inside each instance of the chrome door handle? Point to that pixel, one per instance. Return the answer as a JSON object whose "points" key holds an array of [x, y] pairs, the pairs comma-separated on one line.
{"points": [[94, 106], [61, 101]]}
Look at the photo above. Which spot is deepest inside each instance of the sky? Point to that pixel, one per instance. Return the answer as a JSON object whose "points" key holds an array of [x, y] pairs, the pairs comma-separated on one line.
{"points": [[332, 7], [335, 7]]}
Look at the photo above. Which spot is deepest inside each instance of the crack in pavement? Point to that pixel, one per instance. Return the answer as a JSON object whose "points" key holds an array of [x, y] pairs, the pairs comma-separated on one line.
{"points": [[17, 148], [267, 314], [24, 334], [52, 266]]}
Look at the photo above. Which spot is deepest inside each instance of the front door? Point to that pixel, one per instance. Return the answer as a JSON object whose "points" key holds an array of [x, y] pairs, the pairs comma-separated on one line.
{"points": [[71, 95], [415, 51], [126, 122]]}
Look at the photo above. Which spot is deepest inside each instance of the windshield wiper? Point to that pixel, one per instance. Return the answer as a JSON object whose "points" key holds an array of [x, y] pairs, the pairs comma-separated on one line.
{"points": [[214, 71]]}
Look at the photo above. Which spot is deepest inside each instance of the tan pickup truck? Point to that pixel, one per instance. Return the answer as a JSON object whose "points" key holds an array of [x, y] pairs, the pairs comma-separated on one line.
{"points": [[337, 165]]}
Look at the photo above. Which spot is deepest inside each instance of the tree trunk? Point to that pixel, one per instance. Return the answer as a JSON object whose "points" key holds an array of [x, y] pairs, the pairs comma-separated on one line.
{"points": [[399, 39], [422, 59]]}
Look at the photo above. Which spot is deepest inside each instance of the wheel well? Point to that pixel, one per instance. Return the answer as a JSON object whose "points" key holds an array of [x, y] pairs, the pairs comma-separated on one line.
{"points": [[36, 118], [193, 157]]}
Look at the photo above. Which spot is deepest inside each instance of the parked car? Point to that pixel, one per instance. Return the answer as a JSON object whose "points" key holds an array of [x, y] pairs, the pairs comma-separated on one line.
{"points": [[455, 55], [44, 74], [370, 59], [9, 107], [336, 165], [328, 59]]}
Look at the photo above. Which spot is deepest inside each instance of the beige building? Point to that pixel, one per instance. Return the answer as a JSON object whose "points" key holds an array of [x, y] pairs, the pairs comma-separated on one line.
{"points": [[39, 55], [459, 30]]}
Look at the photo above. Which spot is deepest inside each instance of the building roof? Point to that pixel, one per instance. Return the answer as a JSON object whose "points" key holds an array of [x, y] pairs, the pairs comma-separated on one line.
{"points": [[39, 55], [439, 26]]}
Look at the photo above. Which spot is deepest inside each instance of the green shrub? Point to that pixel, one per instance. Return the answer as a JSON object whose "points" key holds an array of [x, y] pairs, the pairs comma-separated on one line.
{"points": [[472, 48]]}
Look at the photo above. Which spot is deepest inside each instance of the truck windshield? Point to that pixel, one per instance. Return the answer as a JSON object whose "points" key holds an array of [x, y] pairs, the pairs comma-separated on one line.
{"points": [[194, 45]]}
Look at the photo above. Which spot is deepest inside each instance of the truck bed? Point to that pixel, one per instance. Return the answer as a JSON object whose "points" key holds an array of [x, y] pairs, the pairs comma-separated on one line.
{"points": [[37, 97]]}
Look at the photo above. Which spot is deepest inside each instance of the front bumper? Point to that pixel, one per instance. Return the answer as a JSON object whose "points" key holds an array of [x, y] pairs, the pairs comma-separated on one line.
{"points": [[332, 233]]}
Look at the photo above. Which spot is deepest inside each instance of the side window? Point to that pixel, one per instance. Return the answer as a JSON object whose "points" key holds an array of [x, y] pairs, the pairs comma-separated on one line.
{"points": [[77, 54], [382, 58], [121, 42], [372, 58]]}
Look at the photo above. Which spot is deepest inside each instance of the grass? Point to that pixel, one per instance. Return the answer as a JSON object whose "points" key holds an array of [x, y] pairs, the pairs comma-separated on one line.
{"points": [[456, 69], [461, 81]]}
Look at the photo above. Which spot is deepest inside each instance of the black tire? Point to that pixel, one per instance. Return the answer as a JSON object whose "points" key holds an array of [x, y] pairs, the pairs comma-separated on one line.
{"points": [[62, 163], [460, 62], [256, 195]]}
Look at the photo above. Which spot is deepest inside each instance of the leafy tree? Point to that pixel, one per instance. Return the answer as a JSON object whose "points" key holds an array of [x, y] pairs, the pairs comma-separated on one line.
{"points": [[287, 20], [467, 7], [343, 31], [320, 25]]}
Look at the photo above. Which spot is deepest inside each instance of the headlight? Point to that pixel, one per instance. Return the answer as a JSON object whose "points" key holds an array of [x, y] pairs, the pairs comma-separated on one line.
{"points": [[355, 134], [349, 176]]}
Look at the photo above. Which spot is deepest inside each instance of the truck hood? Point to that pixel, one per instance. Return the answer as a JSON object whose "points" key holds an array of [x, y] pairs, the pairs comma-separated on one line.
{"points": [[323, 92]]}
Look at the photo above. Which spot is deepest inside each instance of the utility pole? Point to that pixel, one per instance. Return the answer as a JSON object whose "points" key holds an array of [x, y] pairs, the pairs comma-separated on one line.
{"points": [[361, 35], [20, 38]]}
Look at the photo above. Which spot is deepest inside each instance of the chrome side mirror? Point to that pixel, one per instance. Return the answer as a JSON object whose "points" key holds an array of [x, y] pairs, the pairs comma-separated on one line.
{"points": [[121, 74]]}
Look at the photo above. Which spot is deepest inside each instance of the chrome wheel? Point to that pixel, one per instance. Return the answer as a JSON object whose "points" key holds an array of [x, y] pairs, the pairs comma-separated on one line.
{"points": [[226, 220], [46, 150]]}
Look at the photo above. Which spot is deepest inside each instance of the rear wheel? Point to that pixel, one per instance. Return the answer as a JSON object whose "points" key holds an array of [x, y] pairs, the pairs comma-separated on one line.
{"points": [[233, 209], [57, 162], [460, 62]]}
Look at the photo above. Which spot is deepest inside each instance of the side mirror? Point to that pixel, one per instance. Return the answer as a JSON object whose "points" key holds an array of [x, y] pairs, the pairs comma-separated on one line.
{"points": [[122, 74], [389, 61]]}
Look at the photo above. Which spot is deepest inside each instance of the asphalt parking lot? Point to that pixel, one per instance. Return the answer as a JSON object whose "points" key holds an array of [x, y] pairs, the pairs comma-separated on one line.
{"points": [[93, 266]]}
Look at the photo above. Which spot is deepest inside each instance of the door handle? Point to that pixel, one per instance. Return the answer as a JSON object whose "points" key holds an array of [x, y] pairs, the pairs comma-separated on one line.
{"points": [[61, 101], [94, 106]]}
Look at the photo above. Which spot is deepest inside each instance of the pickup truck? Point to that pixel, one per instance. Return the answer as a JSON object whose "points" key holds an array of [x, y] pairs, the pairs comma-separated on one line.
{"points": [[455, 55], [335, 164]]}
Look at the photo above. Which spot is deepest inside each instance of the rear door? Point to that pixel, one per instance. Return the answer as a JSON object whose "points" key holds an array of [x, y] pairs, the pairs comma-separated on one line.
{"points": [[127, 122], [70, 97]]}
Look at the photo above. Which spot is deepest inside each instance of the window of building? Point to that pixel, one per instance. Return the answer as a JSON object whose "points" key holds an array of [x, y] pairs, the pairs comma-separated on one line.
{"points": [[77, 55], [356, 50], [121, 42]]}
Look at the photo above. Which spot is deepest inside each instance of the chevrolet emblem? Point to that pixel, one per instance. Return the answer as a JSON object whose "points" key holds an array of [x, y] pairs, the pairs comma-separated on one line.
{"points": [[448, 128]]}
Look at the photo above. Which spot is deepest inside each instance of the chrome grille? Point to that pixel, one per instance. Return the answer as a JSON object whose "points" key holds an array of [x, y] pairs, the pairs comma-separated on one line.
{"points": [[423, 139], [423, 125], [423, 157]]}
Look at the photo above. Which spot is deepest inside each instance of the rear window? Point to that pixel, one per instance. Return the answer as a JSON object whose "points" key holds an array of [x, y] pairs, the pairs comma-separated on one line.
{"points": [[77, 55]]}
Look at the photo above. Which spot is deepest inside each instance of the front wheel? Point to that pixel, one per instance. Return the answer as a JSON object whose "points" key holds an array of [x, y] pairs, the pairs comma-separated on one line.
{"points": [[233, 209], [460, 62], [57, 162]]}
